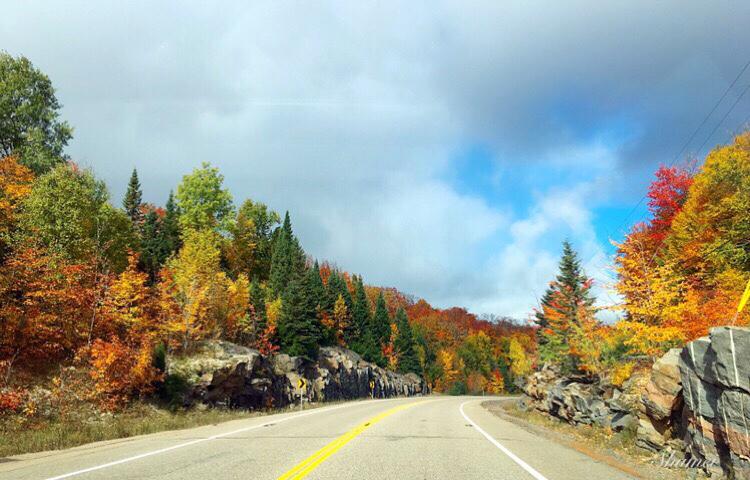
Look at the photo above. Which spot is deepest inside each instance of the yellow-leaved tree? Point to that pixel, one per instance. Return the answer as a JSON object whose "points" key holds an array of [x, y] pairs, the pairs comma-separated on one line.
{"points": [[209, 304]]}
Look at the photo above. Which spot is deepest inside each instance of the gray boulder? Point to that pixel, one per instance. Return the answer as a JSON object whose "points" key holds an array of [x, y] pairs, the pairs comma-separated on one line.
{"points": [[731, 364]]}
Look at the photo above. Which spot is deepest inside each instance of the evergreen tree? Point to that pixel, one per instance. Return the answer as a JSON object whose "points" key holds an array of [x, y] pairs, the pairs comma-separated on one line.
{"points": [[408, 361], [381, 322], [337, 287], [565, 301], [134, 199], [300, 330], [355, 334], [288, 259], [153, 249], [569, 292], [331, 293], [318, 289], [258, 301], [378, 333], [171, 227]]}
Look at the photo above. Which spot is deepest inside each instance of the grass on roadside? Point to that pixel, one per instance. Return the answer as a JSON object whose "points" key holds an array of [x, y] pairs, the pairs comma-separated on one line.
{"points": [[17, 436]]}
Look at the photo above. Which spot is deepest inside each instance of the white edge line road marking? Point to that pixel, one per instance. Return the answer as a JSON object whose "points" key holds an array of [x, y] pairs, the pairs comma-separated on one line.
{"points": [[199, 440], [510, 454]]}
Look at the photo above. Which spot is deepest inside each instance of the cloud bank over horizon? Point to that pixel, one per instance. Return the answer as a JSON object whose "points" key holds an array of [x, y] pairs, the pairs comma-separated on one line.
{"points": [[445, 149]]}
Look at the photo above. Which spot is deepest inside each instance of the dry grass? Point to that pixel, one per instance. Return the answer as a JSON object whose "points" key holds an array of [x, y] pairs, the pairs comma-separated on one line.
{"points": [[18, 435]]}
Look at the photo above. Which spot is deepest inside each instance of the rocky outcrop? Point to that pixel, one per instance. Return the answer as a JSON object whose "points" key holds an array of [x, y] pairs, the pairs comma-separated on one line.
{"points": [[694, 405], [715, 373], [661, 404], [581, 400], [222, 373]]}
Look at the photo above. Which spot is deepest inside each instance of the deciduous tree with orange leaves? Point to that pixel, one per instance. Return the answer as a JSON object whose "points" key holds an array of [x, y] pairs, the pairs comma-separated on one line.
{"points": [[685, 269]]}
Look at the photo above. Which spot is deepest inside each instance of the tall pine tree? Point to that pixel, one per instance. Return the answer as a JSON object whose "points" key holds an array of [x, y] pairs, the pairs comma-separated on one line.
{"points": [[567, 300], [133, 199], [258, 301], [300, 330], [362, 337], [378, 333], [171, 227], [381, 322], [154, 252], [408, 361], [337, 287], [288, 259]]}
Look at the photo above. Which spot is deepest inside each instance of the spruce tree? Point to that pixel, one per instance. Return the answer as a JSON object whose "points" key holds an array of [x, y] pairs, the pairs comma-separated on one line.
{"points": [[258, 301], [567, 295], [153, 249], [288, 259], [300, 330], [381, 322], [569, 292], [170, 227], [356, 336], [133, 199], [319, 290], [337, 286], [331, 294], [408, 361]]}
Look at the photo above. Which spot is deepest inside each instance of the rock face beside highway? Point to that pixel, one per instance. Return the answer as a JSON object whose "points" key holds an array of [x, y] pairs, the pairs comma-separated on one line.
{"points": [[222, 373], [583, 400], [694, 404], [715, 374]]}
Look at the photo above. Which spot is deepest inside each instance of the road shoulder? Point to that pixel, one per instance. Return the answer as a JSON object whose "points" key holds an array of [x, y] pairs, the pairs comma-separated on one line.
{"points": [[594, 445]]}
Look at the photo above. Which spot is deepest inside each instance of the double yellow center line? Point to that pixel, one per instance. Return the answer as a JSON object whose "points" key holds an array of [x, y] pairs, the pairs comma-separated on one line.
{"points": [[302, 469]]}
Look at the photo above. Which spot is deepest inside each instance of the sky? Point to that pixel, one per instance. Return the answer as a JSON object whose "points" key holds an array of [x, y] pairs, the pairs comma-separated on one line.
{"points": [[443, 148]]}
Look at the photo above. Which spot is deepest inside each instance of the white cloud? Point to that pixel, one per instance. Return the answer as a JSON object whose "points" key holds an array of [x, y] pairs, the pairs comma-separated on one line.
{"points": [[348, 114], [522, 269]]}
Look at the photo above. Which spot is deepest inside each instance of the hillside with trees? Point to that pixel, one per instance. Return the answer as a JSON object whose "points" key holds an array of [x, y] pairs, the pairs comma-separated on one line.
{"points": [[95, 294]]}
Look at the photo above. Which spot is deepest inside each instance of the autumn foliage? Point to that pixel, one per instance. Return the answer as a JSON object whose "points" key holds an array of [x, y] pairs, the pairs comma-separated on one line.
{"points": [[683, 271]]}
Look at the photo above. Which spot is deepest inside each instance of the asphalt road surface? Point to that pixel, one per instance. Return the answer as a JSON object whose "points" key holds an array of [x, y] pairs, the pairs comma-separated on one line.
{"points": [[408, 438]]}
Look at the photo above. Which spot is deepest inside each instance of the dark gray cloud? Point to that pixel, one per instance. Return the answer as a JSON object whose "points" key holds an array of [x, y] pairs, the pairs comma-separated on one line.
{"points": [[349, 114]]}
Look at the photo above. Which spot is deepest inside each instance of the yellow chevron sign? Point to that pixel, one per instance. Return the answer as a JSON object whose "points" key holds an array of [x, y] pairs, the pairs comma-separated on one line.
{"points": [[301, 383], [744, 299]]}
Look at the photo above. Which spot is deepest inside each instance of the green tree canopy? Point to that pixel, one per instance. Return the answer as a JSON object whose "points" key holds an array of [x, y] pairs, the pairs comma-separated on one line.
{"points": [[250, 247], [203, 201], [67, 212], [29, 111]]}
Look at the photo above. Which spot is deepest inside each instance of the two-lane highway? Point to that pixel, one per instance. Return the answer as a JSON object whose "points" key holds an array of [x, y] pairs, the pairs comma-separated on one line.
{"points": [[414, 438]]}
